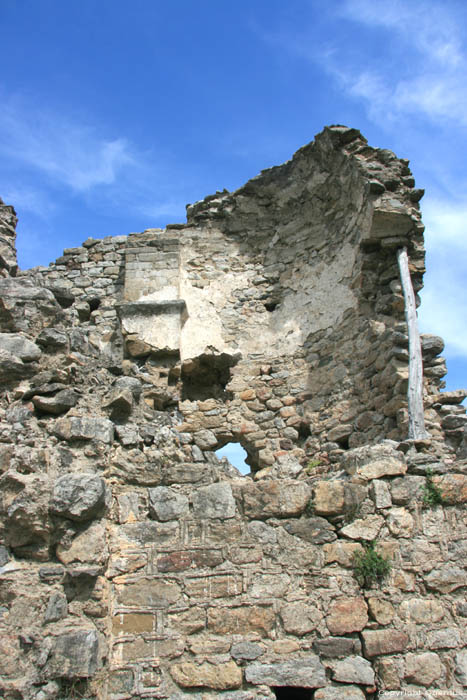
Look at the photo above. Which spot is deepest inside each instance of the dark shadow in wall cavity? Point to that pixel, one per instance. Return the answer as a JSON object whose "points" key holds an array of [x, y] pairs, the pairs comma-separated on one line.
{"points": [[293, 693], [206, 376]]}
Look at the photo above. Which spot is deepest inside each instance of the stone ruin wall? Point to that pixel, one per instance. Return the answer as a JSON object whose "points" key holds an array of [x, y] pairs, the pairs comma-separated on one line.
{"points": [[136, 564]]}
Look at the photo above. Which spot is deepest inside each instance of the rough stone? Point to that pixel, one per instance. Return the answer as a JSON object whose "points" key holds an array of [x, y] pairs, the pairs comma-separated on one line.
{"points": [[219, 676], [79, 496], [347, 615], [20, 347], [423, 669], [61, 402], [306, 672], [214, 501], [166, 503], [81, 428], [274, 499], [353, 669], [300, 618], [349, 692], [74, 654], [377, 642]]}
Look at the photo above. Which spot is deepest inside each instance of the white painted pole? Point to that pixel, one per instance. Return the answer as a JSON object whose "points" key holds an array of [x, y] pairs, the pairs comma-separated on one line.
{"points": [[415, 391]]}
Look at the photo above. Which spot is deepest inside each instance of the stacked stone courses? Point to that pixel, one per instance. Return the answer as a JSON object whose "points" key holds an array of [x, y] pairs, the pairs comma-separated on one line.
{"points": [[136, 564]]}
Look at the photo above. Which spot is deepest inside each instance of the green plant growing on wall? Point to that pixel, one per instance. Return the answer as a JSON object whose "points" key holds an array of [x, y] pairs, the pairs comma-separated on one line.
{"points": [[431, 494], [369, 566], [312, 464]]}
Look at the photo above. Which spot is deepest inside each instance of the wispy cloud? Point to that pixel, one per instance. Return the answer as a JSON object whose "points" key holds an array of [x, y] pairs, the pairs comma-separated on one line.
{"points": [[426, 72], [58, 154], [69, 153], [444, 307]]}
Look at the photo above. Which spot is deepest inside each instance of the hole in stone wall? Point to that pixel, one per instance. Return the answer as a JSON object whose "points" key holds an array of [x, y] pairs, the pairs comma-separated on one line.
{"points": [[271, 305], [206, 376], [236, 455], [343, 443], [94, 303], [293, 693]]}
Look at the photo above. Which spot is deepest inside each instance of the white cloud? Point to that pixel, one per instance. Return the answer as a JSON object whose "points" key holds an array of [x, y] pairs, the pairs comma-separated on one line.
{"points": [[422, 64], [69, 153], [444, 305]]}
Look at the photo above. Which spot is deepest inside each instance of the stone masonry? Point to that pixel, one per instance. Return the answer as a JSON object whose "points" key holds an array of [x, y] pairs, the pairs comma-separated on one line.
{"points": [[136, 564]]}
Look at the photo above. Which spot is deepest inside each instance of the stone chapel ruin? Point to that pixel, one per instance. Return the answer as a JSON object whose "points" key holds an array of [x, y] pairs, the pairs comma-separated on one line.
{"points": [[136, 564]]}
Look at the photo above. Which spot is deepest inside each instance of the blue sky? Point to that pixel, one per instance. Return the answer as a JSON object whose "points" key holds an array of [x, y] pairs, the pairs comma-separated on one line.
{"points": [[115, 114]]}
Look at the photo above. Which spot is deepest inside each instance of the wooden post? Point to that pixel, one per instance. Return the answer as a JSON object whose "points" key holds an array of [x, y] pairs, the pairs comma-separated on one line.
{"points": [[415, 392]]}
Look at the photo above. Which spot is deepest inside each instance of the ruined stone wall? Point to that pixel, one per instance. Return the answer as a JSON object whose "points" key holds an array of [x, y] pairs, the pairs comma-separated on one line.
{"points": [[136, 564]]}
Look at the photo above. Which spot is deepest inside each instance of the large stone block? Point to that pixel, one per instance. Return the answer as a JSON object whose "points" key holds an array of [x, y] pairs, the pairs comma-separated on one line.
{"points": [[218, 676], [84, 428], [166, 503], [378, 642], [304, 672], [267, 499], [374, 461], [148, 592], [353, 669], [241, 620], [347, 615], [74, 654], [79, 496], [214, 501]]}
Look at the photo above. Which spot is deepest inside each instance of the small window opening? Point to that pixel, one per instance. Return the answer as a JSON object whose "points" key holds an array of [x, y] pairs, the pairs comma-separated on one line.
{"points": [[271, 305], [344, 443], [236, 455], [94, 303], [293, 693]]}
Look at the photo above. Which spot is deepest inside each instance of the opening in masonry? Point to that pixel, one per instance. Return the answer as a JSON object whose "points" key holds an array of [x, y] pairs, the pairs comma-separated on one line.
{"points": [[293, 693], [236, 456]]}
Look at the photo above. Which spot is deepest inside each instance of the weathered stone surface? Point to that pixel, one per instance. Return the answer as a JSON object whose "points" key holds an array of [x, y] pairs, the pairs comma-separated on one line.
{"points": [[364, 528], [119, 402], [305, 672], [166, 503], [461, 667], [216, 676], [79, 496], [432, 345], [374, 461], [274, 318], [82, 428], [347, 615], [445, 578], [300, 618], [453, 488], [377, 642], [205, 439], [52, 339], [61, 402], [20, 347], [337, 647], [329, 498], [349, 692], [88, 547], [423, 669], [241, 620], [267, 499], [57, 608], [214, 501], [74, 654], [353, 669], [148, 592], [422, 611], [381, 610], [247, 651]]}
